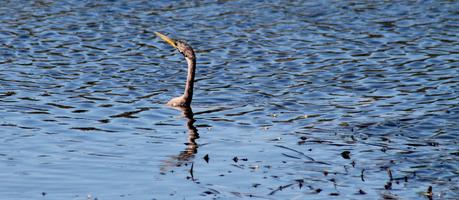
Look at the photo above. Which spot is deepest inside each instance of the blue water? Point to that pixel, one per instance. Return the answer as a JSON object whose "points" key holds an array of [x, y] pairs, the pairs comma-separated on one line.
{"points": [[293, 100]]}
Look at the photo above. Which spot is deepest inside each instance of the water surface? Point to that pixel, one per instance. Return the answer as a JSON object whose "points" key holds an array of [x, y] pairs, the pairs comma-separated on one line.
{"points": [[294, 100]]}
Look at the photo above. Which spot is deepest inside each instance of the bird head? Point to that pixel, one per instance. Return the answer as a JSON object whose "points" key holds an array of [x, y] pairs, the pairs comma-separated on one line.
{"points": [[180, 45]]}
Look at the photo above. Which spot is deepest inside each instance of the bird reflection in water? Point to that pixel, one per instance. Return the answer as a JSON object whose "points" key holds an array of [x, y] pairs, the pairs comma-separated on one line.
{"points": [[186, 156]]}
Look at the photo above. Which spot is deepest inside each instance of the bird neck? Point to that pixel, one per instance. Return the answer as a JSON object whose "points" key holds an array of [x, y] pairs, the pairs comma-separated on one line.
{"points": [[188, 94]]}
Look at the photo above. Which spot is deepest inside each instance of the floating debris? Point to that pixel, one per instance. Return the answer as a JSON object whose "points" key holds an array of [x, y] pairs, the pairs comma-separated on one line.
{"points": [[389, 172], [280, 188], [296, 151], [206, 158], [346, 154], [300, 183]]}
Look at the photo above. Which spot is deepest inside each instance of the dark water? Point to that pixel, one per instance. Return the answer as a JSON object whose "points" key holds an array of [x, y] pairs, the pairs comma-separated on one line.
{"points": [[294, 100]]}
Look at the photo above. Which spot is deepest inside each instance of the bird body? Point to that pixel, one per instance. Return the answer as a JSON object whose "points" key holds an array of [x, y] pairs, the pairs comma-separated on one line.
{"points": [[188, 52]]}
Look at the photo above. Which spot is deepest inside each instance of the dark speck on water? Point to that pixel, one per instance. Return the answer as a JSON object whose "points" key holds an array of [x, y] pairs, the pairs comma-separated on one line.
{"points": [[293, 100], [346, 154]]}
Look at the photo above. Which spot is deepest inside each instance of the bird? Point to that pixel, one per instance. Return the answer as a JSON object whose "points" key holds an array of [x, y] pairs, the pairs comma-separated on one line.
{"points": [[187, 51]]}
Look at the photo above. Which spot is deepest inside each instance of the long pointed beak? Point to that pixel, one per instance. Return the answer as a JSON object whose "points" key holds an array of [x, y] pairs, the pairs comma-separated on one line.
{"points": [[167, 39]]}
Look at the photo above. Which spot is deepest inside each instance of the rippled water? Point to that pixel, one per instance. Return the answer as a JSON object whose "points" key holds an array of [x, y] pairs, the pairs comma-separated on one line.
{"points": [[293, 100]]}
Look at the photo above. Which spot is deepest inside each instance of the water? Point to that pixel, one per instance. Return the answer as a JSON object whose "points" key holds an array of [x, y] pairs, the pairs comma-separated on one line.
{"points": [[293, 100]]}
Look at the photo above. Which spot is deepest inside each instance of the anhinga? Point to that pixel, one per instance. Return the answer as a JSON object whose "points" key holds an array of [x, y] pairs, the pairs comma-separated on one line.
{"points": [[187, 51]]}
